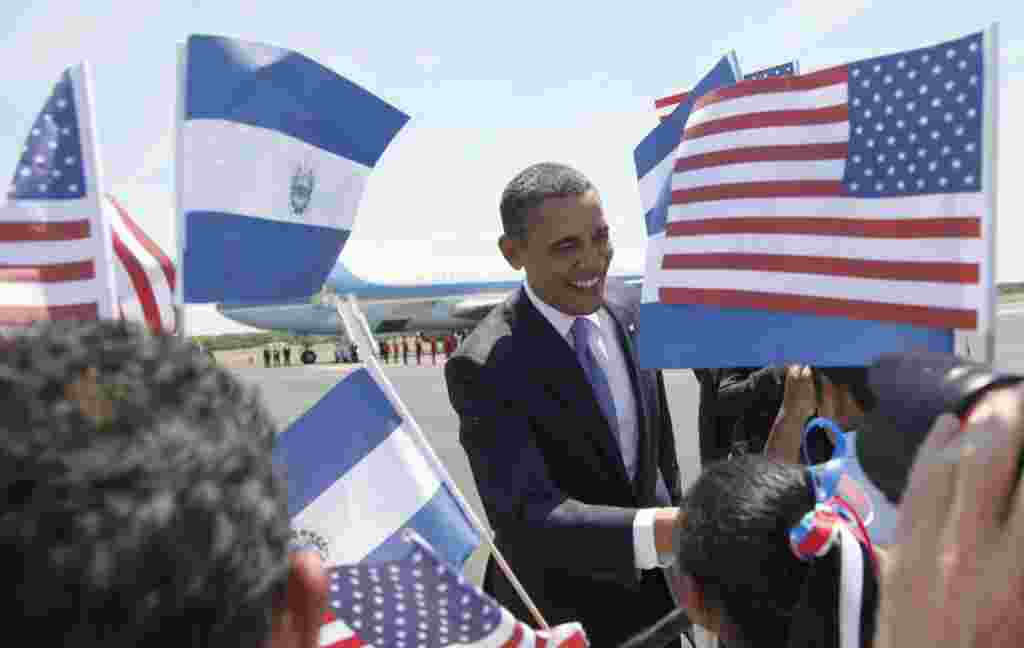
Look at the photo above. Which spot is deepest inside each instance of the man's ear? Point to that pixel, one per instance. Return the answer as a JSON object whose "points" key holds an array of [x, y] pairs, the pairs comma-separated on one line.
{"points": [[297, 622], [512, 249]]}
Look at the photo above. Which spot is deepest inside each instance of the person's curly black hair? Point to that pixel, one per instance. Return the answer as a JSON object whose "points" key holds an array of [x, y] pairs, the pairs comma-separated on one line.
{"points": [[140, 502]]}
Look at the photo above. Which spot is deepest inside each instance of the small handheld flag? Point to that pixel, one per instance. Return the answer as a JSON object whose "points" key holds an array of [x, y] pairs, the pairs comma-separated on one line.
{"points": [[55, 243], [276, 151]]}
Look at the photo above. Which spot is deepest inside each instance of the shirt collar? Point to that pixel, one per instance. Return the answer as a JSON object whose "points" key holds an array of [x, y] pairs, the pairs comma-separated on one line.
{"points": [[558, 319]]}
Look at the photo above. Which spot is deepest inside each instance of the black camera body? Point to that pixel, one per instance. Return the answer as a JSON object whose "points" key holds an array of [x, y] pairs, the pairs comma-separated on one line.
{"points": [[911, 391]]}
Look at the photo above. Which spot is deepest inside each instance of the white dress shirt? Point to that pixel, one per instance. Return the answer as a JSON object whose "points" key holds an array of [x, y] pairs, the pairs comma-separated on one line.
{"points": [[610, 354]]}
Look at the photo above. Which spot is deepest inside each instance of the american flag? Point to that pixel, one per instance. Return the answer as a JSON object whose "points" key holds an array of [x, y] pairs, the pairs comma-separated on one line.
{"points": [[421, 602], [54, 242], [144, 275], [852, 192], [665, 105], [783, 70]]}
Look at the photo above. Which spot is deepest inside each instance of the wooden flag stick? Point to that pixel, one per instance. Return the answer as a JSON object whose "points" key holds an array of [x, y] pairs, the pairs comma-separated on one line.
{"points": [[990, 107]]}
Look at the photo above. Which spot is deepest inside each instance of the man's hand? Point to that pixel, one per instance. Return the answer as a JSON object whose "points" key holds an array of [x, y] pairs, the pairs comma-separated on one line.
{"points": [[799, 399], [665, 522], [956, 575]]}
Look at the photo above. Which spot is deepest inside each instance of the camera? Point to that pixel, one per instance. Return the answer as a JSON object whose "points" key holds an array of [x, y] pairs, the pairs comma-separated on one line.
{"points": [[911, 390]]}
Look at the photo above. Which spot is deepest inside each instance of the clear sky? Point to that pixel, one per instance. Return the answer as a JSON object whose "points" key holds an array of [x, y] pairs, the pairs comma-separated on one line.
{"points": [[491, 88]]}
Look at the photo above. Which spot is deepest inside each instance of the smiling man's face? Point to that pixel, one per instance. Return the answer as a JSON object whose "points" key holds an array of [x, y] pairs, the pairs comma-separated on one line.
{"points": [[566, 252]]}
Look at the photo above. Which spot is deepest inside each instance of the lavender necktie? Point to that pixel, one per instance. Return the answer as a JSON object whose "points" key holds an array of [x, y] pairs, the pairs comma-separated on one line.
{"points": [[582, 329]]}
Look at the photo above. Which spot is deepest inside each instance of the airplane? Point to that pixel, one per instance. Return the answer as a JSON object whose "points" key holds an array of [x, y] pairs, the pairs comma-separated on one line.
{"points": [[389, 308]]}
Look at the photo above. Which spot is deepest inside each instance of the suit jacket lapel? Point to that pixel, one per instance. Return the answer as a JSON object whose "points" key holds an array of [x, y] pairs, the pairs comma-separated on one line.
{"points": [[565, 377], [647, 460]]}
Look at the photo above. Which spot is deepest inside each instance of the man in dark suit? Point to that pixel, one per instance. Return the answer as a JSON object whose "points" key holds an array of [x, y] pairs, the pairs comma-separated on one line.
{"points": [[570, 443], [737, 408]]}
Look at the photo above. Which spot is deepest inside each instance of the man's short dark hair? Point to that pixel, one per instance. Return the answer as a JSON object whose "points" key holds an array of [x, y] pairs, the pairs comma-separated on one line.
{"points": [[140, 502], [532, 187]]}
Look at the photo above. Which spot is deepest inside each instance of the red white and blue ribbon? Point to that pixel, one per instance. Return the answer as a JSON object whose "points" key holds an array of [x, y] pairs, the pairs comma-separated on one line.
{"points": [[814, 536], [835, 520]]}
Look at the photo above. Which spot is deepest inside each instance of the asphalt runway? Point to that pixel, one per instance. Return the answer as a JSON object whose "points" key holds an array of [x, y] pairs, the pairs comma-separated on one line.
{"points": [[290, 391]]}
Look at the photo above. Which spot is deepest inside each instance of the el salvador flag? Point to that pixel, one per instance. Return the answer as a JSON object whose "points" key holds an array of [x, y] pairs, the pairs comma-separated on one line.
{"points": [[275, 154], [655, 156], [655, 159], [357, 475]]}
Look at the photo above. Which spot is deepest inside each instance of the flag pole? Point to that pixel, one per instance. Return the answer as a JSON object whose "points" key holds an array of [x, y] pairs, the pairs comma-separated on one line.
{"points": [[179, 188], [375, 371], [989, 166], [81, 83]]}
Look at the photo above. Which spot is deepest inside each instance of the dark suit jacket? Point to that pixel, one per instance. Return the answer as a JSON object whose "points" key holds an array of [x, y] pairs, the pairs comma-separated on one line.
{"points": [[550, 472], [737, 408]]}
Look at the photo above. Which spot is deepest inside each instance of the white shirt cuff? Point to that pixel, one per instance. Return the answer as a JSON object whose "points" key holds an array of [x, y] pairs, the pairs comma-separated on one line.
{"points": [[643, 541]]}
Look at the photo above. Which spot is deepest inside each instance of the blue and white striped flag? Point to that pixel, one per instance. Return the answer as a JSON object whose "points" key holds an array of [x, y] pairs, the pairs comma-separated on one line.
{"points": [[655, 155], [275, 154], [358, 474]]}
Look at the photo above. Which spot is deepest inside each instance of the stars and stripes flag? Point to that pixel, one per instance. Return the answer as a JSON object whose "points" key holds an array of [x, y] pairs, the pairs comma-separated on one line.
{"points": [[144, 275], [665, 105], [828, 217], [421, 602], [55, 243]]}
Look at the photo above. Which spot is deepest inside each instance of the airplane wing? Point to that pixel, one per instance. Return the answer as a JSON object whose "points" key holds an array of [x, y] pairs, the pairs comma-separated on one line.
{"points": [[475, 308]]}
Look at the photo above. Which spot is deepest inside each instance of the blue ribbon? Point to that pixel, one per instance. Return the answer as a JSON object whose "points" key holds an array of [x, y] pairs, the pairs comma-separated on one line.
{"points": [[825, 477]]}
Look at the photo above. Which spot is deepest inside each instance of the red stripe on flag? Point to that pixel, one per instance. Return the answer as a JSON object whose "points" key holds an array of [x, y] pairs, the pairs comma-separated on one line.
{"points": [[26, 315], [823, 306], [778, 189], [833, 151], [961, 273], [147, 243], [140, 282], [770, 119], [671, 99], [576, 640], [352, 641], [880, 228], [51, 273], [516, 639], [819, 79], [23, 232]]}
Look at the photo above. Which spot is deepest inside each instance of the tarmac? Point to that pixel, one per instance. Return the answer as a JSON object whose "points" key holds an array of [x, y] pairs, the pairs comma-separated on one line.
{"points": [[290, 391]]}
